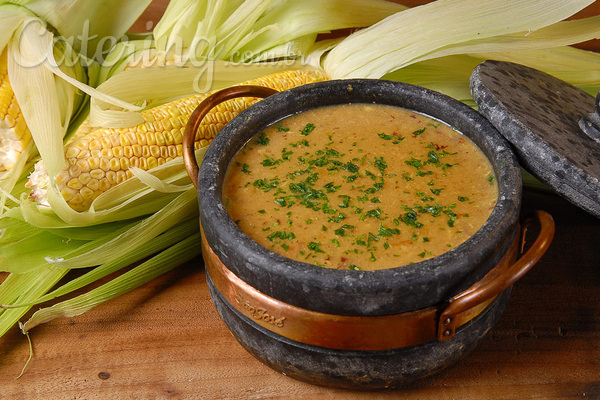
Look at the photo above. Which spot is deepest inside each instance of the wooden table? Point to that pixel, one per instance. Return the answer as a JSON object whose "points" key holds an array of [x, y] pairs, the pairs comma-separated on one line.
{"points": [[166, 341]]}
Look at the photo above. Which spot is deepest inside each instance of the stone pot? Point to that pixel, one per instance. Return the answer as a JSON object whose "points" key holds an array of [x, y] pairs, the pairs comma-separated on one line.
{"points": [[359, 329]]}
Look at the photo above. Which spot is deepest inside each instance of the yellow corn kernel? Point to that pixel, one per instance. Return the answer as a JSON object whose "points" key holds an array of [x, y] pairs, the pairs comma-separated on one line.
{"points": [[14, 134], [107, 153], [84, 128]]}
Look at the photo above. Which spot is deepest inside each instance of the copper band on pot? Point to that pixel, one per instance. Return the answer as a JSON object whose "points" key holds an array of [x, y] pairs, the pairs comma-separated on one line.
{"points": [[338, 331]]}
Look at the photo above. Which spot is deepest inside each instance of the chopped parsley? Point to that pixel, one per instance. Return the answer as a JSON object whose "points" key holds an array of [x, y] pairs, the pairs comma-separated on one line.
{"points": [[262, 139], [308, 129], [281, 128], [315, 246], [266, 185], [283, 235]]}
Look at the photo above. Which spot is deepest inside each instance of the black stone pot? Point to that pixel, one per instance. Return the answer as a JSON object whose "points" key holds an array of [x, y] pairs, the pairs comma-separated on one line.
{"points": [[357, 370], [359, 329]]}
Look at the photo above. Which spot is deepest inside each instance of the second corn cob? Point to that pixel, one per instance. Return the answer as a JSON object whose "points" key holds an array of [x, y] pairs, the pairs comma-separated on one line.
{"points": [[14, 134], [101, 159]]}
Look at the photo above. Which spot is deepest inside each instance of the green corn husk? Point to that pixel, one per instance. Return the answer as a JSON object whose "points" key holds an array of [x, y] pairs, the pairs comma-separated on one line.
{"points": [[179, 253], [24, 288], [150, 248], [41, 38], [450, 74], [447, 27]]}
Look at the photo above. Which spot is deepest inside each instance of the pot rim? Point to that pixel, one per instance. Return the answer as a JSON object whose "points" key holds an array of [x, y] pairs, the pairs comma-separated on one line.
{"points": [[263, 268]]}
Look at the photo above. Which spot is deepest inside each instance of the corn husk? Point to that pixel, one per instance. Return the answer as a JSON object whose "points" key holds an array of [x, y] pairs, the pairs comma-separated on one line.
{"points": [[46, 68], [42, 44], [447, 27]]}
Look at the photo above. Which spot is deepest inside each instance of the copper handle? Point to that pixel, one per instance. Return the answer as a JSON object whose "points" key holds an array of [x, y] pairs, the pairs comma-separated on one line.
{"points": [[189, 135], [496, 282]]}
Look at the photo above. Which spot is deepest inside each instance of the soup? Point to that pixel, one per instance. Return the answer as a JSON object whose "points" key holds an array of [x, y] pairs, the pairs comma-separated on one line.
{"points": [[360, 187]]}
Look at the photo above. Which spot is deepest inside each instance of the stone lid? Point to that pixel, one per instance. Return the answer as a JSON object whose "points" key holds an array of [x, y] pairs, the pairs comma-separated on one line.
{"points": [[552, 125]]}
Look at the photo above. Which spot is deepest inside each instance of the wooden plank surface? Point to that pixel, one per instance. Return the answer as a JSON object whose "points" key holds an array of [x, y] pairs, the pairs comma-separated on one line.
{"points": [[166, 341]]}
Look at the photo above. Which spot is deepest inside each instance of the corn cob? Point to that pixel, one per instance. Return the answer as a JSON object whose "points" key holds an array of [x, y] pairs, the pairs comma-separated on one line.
{"points": [[14, 134], [101, 159]]}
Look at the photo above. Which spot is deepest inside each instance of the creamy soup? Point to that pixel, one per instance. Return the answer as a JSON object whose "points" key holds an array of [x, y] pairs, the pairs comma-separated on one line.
{"points": [[360, 187]]}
